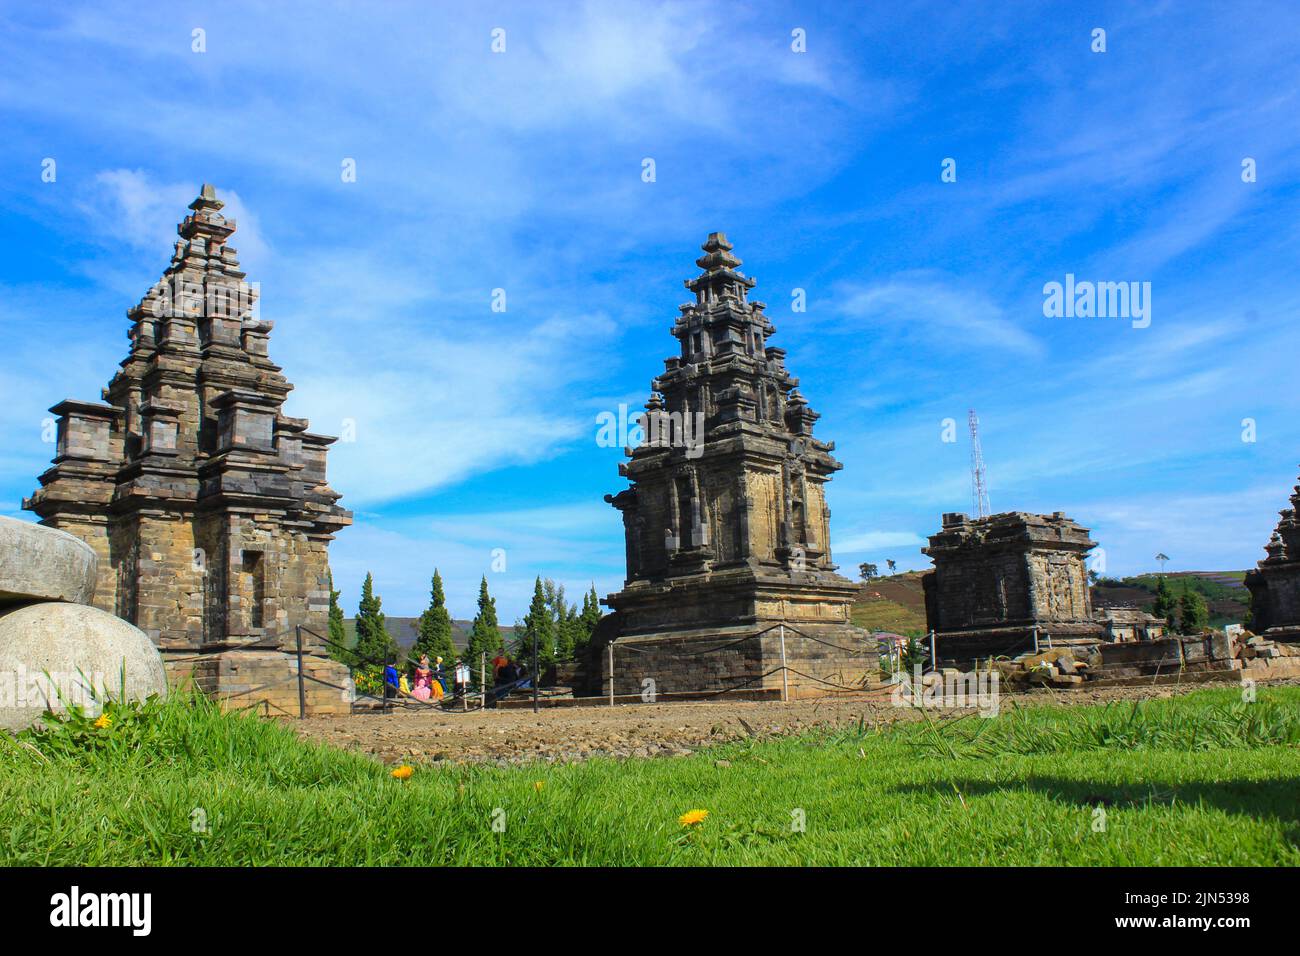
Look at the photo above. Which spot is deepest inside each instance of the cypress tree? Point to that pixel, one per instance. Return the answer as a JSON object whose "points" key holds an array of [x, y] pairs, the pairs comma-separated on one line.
{"points": [[485, 635], [1165, 604], [1193, 614], [435, 627], [375, 646], [540, 626], [587, 621], [566, 634], [337, 633], [565, 617]]}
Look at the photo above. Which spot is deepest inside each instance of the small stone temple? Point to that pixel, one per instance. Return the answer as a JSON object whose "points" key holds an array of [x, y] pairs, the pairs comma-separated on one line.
{"points": [[726, 524], [207, 506], [1275, 582], [997, 580]]}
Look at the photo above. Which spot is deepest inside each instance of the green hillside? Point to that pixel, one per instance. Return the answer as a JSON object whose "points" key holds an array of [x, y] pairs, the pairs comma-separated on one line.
{"points": [[1224, 592], [895, 603]]}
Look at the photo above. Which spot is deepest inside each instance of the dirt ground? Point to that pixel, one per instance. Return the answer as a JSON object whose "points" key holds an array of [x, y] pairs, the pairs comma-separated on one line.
{"points": [[635, 730]]}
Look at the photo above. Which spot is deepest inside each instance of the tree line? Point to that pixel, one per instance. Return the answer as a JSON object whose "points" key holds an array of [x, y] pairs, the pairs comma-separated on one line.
{"points": [[562, 630], [1186, 614]]}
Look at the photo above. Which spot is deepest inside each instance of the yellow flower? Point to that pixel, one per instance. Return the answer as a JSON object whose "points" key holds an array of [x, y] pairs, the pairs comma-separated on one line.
{"points": [[538, 785], [692, 817], [103, 721], [403, 772]]}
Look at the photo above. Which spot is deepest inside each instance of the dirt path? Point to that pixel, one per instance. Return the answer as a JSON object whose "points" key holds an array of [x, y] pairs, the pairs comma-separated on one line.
{"points": [[639, 730]]}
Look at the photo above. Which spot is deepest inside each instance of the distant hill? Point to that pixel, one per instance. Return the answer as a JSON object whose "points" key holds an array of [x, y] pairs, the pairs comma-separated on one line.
{"points": [[1224, 592], [406, 630], [895, 603]]}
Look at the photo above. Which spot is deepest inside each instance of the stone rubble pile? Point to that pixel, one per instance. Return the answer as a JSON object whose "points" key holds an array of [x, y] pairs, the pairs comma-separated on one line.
{"points": [[1207, 656]]}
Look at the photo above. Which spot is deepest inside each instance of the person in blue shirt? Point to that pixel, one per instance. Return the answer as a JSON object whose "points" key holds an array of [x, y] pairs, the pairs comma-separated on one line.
{"points": [[392, 680]]}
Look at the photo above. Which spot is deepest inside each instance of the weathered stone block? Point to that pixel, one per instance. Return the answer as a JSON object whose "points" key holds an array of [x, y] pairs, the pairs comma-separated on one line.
{"points": [[82, 651], [44, 564]]}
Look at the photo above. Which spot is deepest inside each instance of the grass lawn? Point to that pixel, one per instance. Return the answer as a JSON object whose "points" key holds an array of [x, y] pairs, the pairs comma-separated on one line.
{"points": [[1199, 779]]}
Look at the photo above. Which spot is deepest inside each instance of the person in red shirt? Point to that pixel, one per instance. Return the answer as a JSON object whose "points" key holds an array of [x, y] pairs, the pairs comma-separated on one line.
{"points": [[499, 662]]}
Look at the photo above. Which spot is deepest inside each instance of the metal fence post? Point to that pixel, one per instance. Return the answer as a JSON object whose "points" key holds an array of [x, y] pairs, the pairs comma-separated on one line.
{"points": [[302, 686], [785, 674], [934, 656], [611, 673], [482, 678]]}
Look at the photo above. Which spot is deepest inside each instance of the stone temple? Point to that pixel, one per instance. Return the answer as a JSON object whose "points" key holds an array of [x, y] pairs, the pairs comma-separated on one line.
{"points": [[998, 579], [1275, 582], [207, 506], [726, 523]]}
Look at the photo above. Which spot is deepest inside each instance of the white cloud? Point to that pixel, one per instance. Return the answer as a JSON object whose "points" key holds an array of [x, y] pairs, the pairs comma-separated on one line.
{"points": [[145, 213], [868, 541], [927, 309]]}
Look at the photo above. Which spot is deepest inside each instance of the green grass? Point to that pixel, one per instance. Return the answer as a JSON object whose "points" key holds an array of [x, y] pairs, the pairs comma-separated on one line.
{"points": [[1195, 780], [881, 614]]}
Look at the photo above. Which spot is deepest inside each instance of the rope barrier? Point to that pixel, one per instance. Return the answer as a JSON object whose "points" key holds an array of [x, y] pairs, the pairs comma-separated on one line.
{"points": [[708, 650], [846, 687], [728, 690], [792, 629], [740, 640]]}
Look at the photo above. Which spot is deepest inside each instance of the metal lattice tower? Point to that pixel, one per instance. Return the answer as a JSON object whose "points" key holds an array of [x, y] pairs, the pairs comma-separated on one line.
{"points": [[979, 491]]}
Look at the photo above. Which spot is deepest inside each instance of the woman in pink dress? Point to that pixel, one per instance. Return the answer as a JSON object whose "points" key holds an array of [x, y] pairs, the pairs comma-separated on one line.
{"points": [[422, 689]]}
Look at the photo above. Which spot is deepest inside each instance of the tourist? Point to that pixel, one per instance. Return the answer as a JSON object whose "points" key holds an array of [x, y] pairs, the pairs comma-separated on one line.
{"points": [[499, 662], [392, 681], [440, 677], [505, 677], [422, 689], [461, 679]]}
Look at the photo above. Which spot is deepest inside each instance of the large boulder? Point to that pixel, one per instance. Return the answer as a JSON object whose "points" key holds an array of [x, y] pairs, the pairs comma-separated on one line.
{"points": [[80, 648], [44, 564]]}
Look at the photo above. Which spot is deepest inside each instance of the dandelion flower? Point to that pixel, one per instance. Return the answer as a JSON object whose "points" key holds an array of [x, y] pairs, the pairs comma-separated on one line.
{"points": [[691, 817], [538, 785], [403, 772], [103, 721]]}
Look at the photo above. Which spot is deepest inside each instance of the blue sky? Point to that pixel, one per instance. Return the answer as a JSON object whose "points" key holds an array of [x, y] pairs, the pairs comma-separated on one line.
{"points": [[522, 170]]}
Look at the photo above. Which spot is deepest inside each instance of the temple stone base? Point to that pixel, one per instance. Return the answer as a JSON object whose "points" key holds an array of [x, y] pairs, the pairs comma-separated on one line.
{"points": [[741, 658], [267, 681], [723, 631], [964, 648]]}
